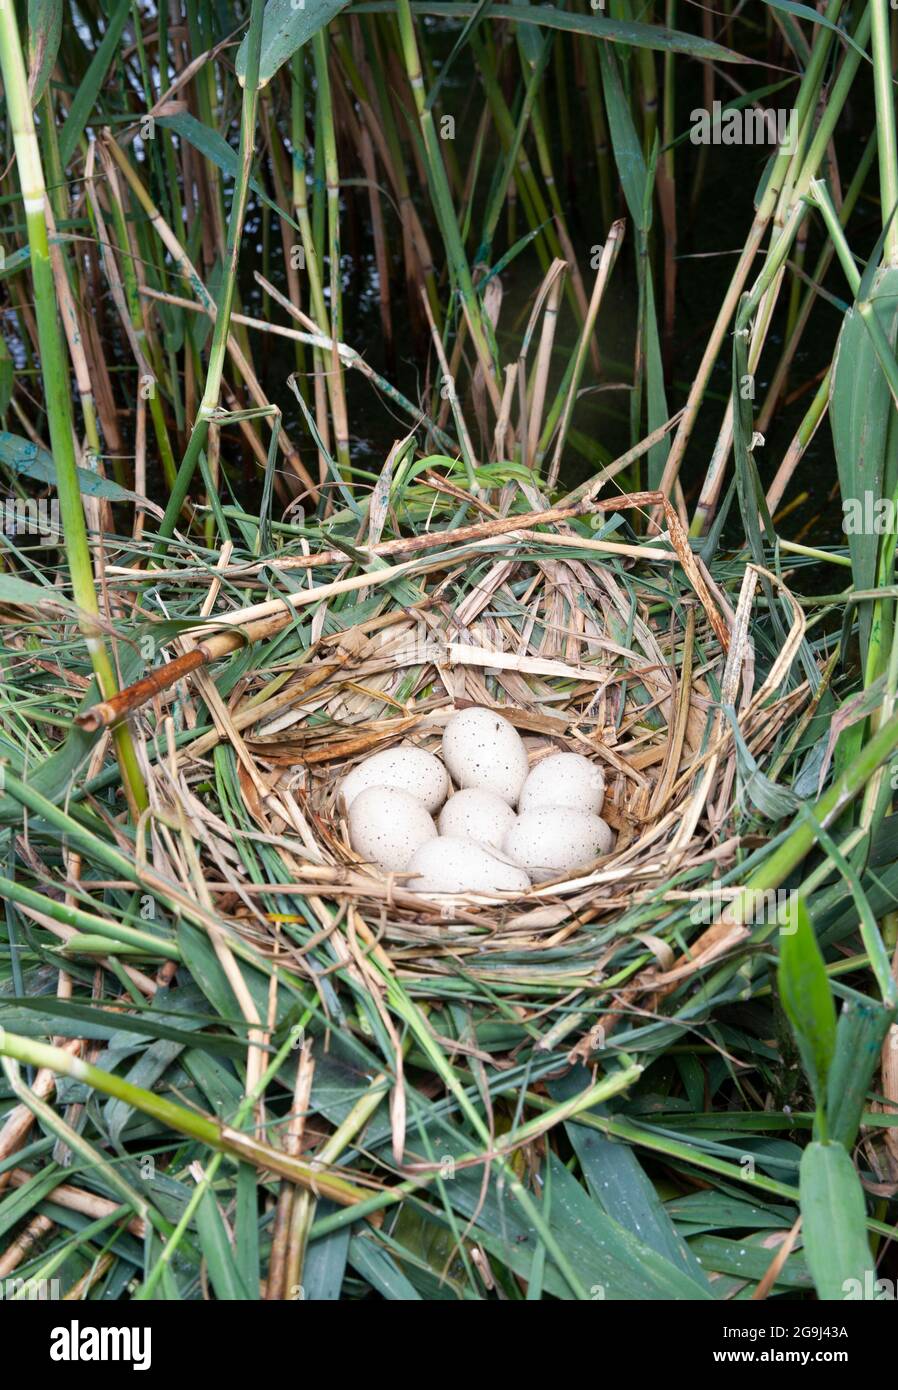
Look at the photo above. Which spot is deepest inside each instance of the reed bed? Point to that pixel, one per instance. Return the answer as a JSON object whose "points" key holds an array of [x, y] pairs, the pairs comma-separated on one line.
{"points": [[238, 1062]]}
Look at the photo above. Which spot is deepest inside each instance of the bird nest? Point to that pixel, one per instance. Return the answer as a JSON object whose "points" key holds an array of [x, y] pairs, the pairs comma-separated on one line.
{"points": [[625, 652]]}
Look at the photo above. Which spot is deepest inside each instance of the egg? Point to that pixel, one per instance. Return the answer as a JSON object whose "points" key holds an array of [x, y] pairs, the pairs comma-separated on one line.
{"points": [[476, 814], [552, 840], [482, 749], [564, 779], [387, 826], [451, 864], [406, 768]]}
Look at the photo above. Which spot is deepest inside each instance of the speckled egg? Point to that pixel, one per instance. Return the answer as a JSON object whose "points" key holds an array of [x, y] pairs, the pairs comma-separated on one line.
{"points": [[476, 814], [386, 826], [554, 840], [482, 749], [564, 779], [406, 768], [453, 865]]}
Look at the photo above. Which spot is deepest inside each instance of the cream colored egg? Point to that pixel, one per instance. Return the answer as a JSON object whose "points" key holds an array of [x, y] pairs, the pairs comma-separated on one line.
{"points": [[476, 814], [554, 840], [453, 865], [564, 779], [406, 768], [386, 826], [482, 749]]}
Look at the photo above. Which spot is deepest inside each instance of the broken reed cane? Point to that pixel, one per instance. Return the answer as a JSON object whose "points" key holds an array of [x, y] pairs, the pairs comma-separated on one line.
{"points": [[250, 625]]}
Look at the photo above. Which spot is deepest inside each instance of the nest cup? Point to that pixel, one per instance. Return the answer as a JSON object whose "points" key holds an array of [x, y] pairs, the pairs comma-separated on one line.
{"points": [[579, 655]]}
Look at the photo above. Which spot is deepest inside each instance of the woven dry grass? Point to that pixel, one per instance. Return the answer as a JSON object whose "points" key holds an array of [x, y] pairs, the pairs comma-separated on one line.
{"points": [[622, 657]]}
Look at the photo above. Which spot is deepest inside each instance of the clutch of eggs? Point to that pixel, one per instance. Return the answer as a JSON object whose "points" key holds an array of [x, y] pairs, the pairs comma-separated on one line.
{"points": [[478, 843]]}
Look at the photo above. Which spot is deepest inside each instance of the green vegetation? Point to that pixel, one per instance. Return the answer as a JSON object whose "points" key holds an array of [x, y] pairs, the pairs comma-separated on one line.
{"points": [[354, 365]]}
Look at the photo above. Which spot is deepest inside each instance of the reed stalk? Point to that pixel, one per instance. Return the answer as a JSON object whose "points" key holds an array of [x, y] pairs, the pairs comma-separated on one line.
{"points": [[220, 1137], [209, 404], [55, 376], [325, 112], [807, 100], [442, 197]]}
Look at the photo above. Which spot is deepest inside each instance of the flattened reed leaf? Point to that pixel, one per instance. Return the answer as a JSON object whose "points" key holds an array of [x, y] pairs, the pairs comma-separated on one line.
{"points": [[28, 460], [807, 996], [44, 34], [631, 33], [285, 28], [864, 424], [834, 1216], [86, 95], [218, 1252], [217, 149]]}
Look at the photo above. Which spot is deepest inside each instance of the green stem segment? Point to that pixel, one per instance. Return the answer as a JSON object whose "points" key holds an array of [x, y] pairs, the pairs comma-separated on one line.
{"points": [[223, 1138], [885, 124]]}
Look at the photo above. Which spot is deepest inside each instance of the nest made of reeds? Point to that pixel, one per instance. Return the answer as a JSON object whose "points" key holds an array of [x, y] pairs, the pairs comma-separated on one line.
{"points": [[626, 652]]}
